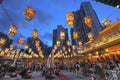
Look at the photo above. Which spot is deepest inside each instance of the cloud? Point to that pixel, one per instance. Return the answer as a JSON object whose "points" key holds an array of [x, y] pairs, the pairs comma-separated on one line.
{"points": [[47, 36]]}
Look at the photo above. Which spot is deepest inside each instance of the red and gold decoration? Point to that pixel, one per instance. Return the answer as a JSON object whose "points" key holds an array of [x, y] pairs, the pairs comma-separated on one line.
{"points": [[70, 18], [88, 21], [12, 30], [29, 13], [34, 33], [21, 41], [75, 35], [90, 36], [2, 41], [62, 35], [68, 43], [58, 43], [106, 22]]}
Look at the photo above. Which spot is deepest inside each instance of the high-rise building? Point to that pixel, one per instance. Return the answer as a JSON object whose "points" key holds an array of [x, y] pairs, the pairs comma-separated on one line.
{"points": [[56, 35], [79, 25]]}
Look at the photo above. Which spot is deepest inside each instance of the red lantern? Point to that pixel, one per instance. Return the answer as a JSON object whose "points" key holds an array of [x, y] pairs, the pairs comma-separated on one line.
{"points": [[62, 35], [29, 13], [2, 41], [21, 41], [12, 30], [88, 21]]}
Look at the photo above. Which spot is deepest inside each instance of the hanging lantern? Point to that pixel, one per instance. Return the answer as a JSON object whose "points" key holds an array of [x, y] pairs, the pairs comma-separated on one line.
{"points": [[29, 13], [64, 48], [55, 47], [34, 33], [12, 47], [80, 43], [2, 41], [58, 43], [26, 46], [73, 47], [70, 18], [106, 22], [21, 41], [90, 36], [37, 43], [68, 43], [75, 35], [88, 21], [62, 35], [12, 30], [69, 50]]}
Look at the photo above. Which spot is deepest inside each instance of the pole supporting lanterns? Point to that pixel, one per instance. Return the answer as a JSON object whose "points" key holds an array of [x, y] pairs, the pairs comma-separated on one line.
{"points": [[70, 18]]}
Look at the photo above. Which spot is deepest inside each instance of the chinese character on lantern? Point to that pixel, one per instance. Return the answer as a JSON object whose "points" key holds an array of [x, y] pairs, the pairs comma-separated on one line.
{"points": [[62, 35], [29, 13], [75, 35], [70, 18], [12, 30], [88, 21]]}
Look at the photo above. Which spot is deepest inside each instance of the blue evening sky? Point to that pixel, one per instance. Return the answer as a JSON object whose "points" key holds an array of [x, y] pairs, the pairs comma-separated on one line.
{"points": [[50, 13]]}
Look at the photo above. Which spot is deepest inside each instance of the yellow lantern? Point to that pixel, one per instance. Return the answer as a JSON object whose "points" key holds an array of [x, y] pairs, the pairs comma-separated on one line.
{"points": [[75, 35], [2, 41], [12, 30], [90, 36], [88, 21], [68, 43], [35, 33], [21, 41], [58, 43], [70, 18], [64, 48], [55, 47], [73, 47], [106, 22], [26, 46], [80, 43], [37, 43], [62, 35]]}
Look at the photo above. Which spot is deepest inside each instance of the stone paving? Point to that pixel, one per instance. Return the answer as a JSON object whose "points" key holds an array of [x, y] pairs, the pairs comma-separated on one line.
{"points": [[37, 76]]}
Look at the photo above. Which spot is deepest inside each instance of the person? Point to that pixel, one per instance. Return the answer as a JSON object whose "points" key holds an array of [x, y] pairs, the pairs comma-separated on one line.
{"points": [[77, 68]]}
